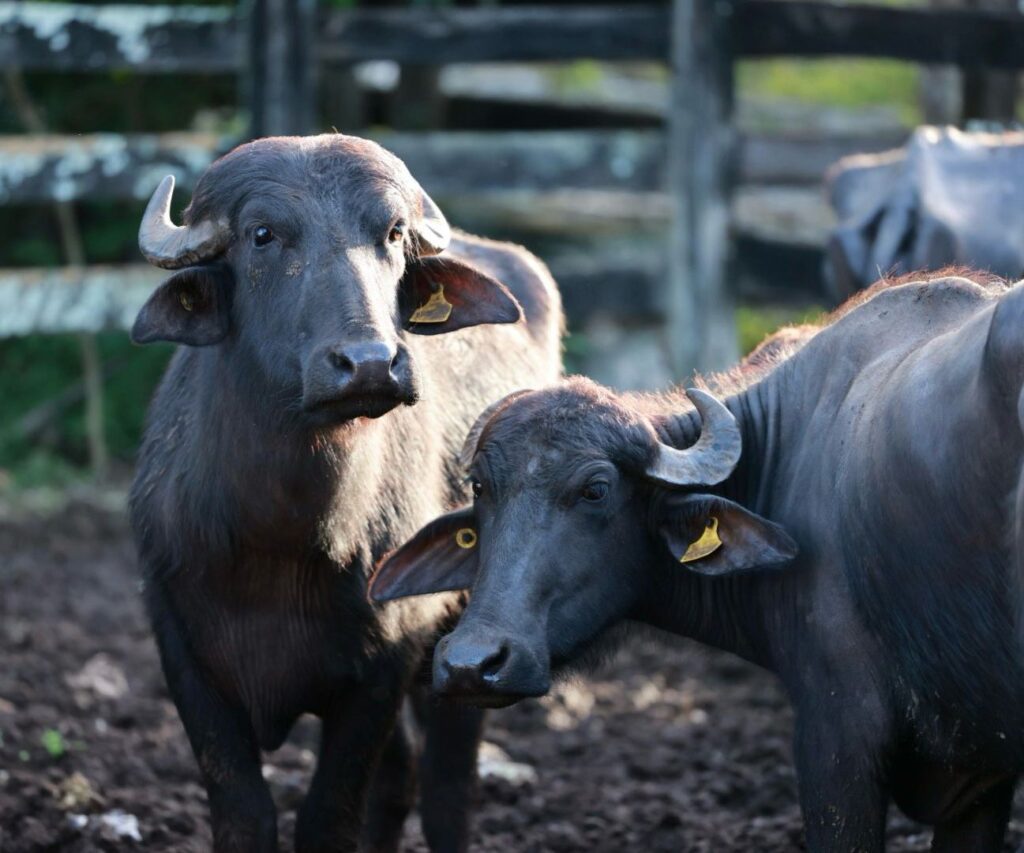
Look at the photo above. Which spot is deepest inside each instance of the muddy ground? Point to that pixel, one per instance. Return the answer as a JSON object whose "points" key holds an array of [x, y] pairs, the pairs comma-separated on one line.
{"points": [[669, 747]]}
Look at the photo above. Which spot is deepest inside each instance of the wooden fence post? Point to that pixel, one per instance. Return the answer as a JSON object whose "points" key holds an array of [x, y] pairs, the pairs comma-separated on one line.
{"points": [[280, 67], [700, 323], [991, 95]]}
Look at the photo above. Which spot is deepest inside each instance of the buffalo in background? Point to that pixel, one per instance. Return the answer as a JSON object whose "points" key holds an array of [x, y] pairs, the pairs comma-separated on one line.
{"points": [[948, 198]]}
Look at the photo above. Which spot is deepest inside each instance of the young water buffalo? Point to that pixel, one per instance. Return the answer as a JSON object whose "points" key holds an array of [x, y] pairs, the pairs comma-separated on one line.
{"points": [[888, 447], [283, 457]]}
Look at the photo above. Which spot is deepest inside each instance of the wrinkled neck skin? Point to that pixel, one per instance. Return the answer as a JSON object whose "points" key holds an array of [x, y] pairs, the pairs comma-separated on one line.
{"points": [[727, 612], [267, 474]]}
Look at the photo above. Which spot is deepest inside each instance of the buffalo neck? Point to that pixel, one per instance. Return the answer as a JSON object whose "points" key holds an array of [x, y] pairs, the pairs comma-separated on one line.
{"points": [[730, 612], [285, 483]]}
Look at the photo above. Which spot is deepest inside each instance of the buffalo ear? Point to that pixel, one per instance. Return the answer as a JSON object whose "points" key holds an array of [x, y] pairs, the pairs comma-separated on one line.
{"points": [[440, 558], [441, 294], [192, 307], [714, 536]]}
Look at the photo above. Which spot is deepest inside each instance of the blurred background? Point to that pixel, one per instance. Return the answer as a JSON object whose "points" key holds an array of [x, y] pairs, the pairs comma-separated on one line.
{"points": [[556, 125]]}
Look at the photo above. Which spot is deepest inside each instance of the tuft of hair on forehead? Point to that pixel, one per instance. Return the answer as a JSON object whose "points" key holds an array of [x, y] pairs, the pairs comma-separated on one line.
{"points": [[576, 415], [312, 166]]}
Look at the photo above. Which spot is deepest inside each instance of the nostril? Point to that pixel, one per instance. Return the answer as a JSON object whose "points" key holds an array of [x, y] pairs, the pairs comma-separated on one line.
{"points": [[397, 362], [340, 361], [491, 665]]}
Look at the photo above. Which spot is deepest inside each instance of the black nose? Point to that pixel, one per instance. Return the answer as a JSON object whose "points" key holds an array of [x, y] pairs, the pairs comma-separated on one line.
{"points": [[368, 367], [471, 665], [486, 671], [366, 378]]}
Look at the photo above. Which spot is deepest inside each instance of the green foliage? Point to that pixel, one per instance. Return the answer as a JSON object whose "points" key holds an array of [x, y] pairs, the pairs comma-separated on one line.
{"points": [[584, 75], [835, 82], [53, 743], [574, 351], [38, 368], [753, 325]]}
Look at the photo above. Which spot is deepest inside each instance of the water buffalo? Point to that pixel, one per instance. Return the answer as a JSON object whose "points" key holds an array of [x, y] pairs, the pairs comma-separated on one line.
{"points": [[850, 518], [313, 282]]}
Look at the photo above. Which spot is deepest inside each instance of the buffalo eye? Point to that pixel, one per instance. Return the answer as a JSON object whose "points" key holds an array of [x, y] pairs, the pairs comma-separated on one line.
{"points": [[478, 488], [594, 492], [262, 235], [397, 233]]}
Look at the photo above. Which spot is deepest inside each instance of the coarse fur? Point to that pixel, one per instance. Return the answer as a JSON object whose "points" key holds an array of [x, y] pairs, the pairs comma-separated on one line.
{"points": [[260, 505], [887, 442]]}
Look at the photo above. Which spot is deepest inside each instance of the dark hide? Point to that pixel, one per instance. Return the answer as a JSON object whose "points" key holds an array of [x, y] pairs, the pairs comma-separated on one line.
{"points": [[192, 307], [946, 199], [887, 446], [267, 487]]}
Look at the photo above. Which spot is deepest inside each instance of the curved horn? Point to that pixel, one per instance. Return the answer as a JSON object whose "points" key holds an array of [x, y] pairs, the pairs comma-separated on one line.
{"points": [[433, 233], [473, 439], [167, 245], [711, 458]]}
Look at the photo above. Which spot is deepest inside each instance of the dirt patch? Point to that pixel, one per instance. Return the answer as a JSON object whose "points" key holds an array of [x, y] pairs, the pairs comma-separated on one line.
{"points": [[669, 747]]}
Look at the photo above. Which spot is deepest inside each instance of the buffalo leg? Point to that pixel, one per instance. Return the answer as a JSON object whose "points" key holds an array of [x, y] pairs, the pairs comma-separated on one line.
{"points": [[354, 734], [392, 794], [448, 772], [842, 797], [242, 812], [981, 828]]}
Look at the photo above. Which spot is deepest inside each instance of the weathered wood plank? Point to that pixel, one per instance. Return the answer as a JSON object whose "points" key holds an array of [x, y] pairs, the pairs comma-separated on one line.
{"points": [[966, 37], [76, 37], [437, 36], [90, 299], [156, 39], [41, 168], [113, 166], [100, 166], [161, 39], [970, 38], [700, 318], [772, 159], [279, 78], [451, 163]]}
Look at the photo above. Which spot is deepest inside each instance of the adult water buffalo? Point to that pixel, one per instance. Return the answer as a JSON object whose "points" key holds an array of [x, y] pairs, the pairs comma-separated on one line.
{"points": [[885, 590], [283, 456]]}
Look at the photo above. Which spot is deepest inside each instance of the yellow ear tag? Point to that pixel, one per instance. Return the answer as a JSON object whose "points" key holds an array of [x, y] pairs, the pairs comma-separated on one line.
{"points": [[466, 537], [707, 544], [437, 309]]}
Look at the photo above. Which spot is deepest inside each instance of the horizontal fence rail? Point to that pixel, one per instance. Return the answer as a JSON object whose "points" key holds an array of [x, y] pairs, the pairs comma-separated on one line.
{"points": [[107, 166], [88, 299], [970, 38], [155, 39], [100, 166], [172, 39]]}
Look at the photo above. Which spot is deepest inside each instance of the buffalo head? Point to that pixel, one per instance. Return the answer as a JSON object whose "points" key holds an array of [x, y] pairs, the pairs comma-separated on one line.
{"points": [[577, 503], [308, 259]]}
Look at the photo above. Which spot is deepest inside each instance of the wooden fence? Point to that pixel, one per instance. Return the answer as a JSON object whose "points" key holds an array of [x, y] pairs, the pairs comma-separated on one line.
{"points": [[277, 46]]}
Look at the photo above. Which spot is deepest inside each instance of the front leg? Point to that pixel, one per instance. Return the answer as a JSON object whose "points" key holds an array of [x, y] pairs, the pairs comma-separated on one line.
{"points": [[843, 796], [242, 812], [448, 772], [355, 730]]}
